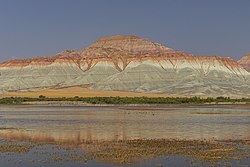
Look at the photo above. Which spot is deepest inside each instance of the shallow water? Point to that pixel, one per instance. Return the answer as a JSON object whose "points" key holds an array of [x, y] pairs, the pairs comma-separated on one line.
{"points": [[80, 124], [112, 123]]}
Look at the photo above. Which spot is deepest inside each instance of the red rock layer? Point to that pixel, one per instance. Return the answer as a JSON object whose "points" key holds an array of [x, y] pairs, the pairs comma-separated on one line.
{"points": [[65, 56], [245, 62]]}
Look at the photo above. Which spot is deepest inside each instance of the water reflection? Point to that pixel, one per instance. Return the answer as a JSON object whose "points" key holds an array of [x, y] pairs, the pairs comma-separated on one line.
{"points": [[80, 124]]}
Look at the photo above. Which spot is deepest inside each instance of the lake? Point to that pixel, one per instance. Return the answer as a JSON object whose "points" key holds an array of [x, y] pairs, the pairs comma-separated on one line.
{"points": [[124, 136]]}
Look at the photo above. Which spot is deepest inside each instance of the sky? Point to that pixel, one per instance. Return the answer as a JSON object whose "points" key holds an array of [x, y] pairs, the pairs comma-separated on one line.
{"points": [[201, 27]]}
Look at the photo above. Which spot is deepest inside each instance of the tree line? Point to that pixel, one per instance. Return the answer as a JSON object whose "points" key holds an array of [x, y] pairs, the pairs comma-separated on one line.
{"points": [[126, 100]]}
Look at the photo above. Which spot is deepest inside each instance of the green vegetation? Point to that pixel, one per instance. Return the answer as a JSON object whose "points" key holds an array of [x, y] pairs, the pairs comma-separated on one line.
{"points": [[127, 100]]}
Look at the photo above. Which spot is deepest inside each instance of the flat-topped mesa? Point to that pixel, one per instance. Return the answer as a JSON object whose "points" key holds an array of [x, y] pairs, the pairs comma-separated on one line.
{"points": [[130, 45], [117, 37], [245, 61], [122, 50], [128, 48]]}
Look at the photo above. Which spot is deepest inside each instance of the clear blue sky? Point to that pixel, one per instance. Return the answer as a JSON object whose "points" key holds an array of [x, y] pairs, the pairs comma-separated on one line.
{"points": [[201, 27]]}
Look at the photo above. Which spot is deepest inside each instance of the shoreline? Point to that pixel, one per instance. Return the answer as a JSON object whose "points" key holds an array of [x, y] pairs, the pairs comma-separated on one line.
{"points": [[77, 103]]}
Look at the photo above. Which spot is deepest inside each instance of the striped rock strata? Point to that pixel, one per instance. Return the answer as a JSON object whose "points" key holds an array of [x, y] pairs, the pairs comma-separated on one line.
{"points": [[245, 62], [128, 63]]}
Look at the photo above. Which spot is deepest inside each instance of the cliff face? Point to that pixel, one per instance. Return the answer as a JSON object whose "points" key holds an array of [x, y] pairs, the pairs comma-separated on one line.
{"points": [[245, 62], [128, 63]]}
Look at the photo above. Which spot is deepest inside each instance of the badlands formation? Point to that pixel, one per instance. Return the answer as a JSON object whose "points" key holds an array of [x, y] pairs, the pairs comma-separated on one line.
{"points": [[245, 62], [132, 64]]}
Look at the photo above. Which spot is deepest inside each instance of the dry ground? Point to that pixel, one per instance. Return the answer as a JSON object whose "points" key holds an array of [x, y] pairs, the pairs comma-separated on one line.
{"points": [[79, 91]]}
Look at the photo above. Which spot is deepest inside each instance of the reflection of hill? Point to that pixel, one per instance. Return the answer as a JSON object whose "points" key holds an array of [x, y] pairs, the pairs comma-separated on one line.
{"points": [[54, 137], [79, 124]]}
